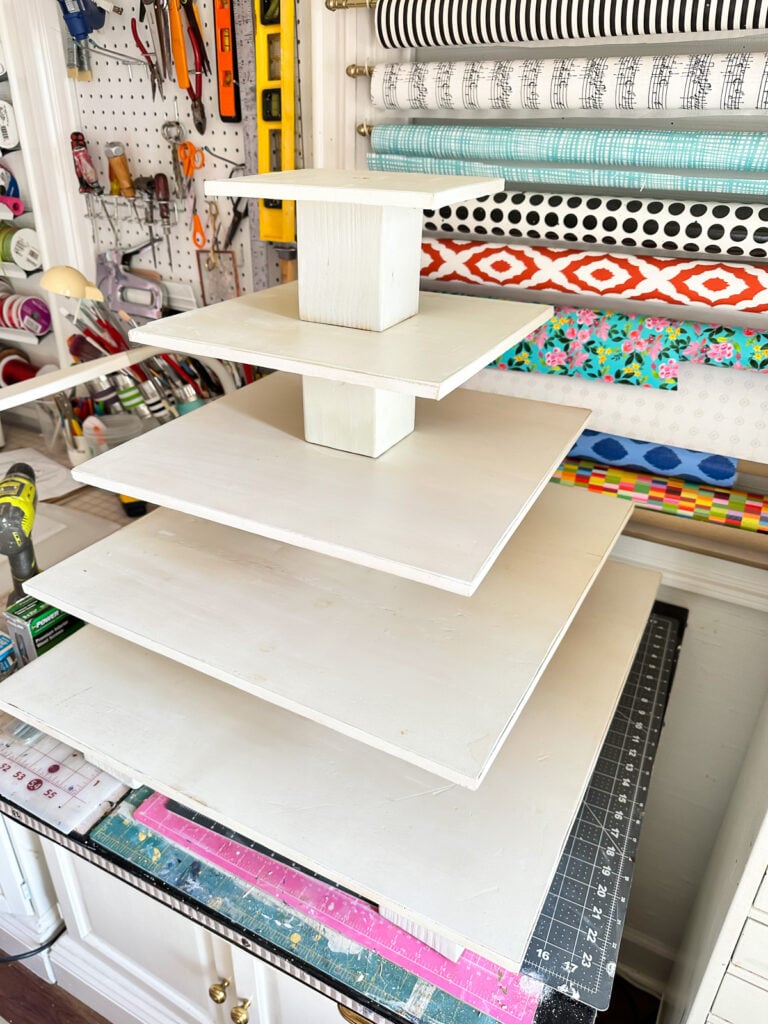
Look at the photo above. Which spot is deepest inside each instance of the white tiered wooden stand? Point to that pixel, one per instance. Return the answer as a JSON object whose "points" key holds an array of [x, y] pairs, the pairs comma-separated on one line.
{"points": [[362, 707]]}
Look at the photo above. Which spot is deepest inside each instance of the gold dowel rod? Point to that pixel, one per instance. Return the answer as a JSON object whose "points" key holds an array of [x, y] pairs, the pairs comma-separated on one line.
{"points": [[364, 130], [359, 70], [346, 5]]}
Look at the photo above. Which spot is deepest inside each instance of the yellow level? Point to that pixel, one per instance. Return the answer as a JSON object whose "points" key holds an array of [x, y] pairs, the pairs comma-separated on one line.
{"points": [[275, 43]]}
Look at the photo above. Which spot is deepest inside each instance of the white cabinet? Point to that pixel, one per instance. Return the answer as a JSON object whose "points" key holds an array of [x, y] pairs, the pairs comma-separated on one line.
{"points": [[276, 998]]}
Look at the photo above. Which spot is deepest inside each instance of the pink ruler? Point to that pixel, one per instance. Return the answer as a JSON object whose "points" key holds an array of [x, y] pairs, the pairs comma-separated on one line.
{"points": [[507, 997]]}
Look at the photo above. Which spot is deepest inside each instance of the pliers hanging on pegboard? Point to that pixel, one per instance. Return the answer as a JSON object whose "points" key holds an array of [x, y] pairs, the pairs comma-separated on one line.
{"points": [[154, 74], [196, 34], [195, 90]]}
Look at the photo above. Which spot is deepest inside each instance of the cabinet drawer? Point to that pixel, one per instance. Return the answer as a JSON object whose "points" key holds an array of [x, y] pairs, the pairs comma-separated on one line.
{"points": [[761, 900], [752, 949], [739, 1002]]}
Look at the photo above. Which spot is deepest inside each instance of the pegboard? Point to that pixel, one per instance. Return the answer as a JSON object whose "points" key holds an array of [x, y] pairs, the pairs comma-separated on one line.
{"points": [[118, 106]]}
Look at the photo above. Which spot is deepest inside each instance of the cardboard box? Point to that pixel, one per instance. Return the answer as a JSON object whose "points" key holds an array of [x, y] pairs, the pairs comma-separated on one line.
{"points": [[35, 627]]}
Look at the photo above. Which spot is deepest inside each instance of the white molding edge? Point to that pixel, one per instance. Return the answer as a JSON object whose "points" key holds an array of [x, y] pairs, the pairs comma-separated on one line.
{"points": [[742, 585], [107, 990], [645, 961], [19, 935]]}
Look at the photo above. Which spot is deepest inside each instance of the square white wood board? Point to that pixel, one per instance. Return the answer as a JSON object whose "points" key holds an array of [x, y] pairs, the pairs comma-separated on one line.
{"points": [[437, 508], [474, 866], [379, 659], [362, 187], [428, 355]]}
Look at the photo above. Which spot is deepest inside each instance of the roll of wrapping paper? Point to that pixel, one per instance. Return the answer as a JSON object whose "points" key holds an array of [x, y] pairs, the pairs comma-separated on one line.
{"points": [[607, 147], [644, 351], [695, 81], [671, 495], [649, 457], [404, 23], [678, 282], [589, 177], [642, 223]]}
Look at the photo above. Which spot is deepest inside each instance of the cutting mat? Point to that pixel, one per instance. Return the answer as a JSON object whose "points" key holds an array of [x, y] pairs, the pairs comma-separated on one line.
{"points": [[575, 944], [510, 998], [53, 781]]}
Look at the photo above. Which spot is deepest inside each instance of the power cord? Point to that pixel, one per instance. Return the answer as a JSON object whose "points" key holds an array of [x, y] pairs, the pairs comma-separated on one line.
{"points": [[34, 952]]}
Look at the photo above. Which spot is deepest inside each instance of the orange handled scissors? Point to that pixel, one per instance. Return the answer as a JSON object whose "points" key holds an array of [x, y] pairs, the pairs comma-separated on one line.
{"points": [[191, 158]]}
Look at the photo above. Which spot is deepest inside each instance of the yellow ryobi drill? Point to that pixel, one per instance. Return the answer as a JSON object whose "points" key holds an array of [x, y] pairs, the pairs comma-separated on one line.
{"points": [[18, 501]]}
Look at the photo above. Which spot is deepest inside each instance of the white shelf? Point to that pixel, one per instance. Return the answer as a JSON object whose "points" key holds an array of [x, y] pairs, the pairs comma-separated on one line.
{"points": [[473, 866], [428, 355], [361, 187], [381, 660], [437, 508]]}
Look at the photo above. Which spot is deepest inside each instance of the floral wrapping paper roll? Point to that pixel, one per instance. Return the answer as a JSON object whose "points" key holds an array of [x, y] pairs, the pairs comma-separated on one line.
{"points": [[665, 81], [405, 23], [642, 351]]}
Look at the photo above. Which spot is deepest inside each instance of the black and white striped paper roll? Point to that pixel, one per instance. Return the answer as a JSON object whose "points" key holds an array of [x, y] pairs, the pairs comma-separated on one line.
{"points": [[698, 81], [404, 23], [647, 225]]}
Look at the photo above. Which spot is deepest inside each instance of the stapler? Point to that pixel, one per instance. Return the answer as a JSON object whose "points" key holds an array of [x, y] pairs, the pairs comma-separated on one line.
{"points": [[138, 293]]}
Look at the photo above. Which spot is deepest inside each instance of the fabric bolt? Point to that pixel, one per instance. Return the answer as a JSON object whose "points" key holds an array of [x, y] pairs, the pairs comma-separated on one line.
{"points": [[643, 351], [598, 345], [671, 495], [404, 23], [681, 282], [589, 177], [629, 453], [696, 81], [645, 224], [617, 147]]}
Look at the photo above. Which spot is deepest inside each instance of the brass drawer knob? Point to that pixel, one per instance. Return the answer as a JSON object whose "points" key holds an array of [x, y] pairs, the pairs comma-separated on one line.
{"points": [[218, 992], [239, 1014], [350, 1016]]}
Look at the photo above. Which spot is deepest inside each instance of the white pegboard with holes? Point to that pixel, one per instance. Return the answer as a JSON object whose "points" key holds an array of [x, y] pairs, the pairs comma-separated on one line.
{"points": [[117, 105]]}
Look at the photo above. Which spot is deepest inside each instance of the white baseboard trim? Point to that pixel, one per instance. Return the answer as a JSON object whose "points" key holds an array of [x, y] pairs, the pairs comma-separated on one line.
{"points": [[107, 990], [21, 934], [645, 962], [738, 584]]}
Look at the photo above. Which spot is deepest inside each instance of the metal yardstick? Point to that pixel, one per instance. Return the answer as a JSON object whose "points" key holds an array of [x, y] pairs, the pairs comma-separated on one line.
{"points": [[163, 195]]}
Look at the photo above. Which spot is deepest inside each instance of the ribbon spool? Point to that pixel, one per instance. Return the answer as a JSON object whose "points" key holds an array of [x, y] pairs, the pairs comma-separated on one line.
{"points": [[14, 368]]}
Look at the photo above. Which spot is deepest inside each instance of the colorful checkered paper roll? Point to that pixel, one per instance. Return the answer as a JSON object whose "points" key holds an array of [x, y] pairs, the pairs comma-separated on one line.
{"points": [[614, 147], [671, 495], [698, 81], [730, 286], [404, 23], [647, 224], [589, 177]]}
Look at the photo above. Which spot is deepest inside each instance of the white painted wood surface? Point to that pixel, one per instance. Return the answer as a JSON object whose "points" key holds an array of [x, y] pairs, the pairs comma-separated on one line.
{"points": [[60, 380], [362, 187], [428, 357], [437, 508], [474, 866], [359, 265], [427, 676], [353, 418]]}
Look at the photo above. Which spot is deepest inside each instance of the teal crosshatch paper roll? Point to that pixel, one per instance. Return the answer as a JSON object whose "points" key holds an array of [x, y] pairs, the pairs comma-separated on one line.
{"points": [[590, 177], [630, 82], [405, 23], [616, 147]]}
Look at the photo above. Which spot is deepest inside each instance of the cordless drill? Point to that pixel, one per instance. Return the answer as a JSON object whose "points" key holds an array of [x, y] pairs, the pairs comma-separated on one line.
{"points": [[18, 501]]}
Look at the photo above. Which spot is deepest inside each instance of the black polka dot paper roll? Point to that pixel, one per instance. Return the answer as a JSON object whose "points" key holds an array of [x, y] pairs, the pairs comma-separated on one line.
{"points": [[423, 23], [717, 229]]}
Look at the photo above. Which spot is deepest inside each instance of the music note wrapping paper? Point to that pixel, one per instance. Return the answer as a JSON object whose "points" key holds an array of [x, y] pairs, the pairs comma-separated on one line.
{"points": [[588, 177], [707, 229], [696, 81], [678, 282], [607, 147], [621, 348], [405, 23]]}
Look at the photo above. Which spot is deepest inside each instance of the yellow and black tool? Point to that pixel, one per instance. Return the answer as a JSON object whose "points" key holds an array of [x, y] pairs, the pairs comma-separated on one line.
{"points": [[275, 32], [18, 502]]}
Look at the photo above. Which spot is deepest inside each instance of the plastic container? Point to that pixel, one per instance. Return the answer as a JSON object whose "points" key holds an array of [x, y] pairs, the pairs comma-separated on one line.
{"points": [[104, 432]]}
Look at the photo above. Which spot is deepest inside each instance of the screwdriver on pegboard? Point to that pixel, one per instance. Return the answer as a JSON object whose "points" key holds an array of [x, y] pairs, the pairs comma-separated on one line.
{"points": [[163, 196]]}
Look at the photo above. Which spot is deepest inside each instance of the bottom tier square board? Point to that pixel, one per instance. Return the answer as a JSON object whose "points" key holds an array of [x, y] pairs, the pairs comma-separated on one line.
{"points": [[475, 866]]}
